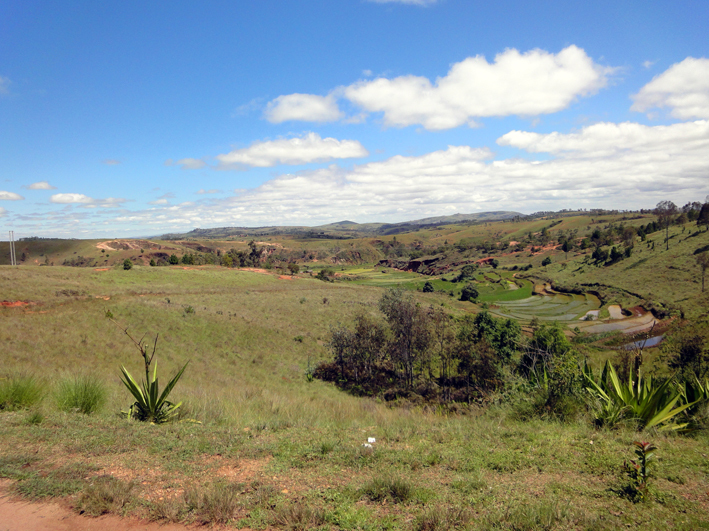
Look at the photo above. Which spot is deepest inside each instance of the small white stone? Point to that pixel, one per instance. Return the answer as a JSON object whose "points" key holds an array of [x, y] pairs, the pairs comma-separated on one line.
{"points": [[371, 440], [367, 445]]}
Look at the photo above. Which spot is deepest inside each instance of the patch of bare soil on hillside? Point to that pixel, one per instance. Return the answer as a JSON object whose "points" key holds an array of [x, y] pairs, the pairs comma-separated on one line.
{"points": [[125, 245], [15, 304]]}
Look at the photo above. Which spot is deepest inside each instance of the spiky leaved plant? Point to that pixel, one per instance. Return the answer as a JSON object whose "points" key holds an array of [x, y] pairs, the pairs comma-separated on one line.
{"points": [[150, 405]]}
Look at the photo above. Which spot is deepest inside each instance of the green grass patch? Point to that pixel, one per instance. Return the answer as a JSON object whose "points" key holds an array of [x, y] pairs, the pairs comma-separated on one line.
{"points": [[82, 394]]}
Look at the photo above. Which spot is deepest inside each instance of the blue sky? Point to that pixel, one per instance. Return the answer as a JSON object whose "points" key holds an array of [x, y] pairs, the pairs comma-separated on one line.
{"points": [[138, 118]]}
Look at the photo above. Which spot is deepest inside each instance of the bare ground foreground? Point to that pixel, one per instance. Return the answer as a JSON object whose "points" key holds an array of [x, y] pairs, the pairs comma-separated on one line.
{"points": [[20, 515]]}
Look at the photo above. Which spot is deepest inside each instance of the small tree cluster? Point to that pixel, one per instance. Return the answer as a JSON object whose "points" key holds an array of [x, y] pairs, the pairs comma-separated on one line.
{"points": [[412, 350]]}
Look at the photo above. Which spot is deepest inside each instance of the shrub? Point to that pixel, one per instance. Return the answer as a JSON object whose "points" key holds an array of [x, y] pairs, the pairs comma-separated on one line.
{"points": [[428, 287], [469, 293], [20, 392], [638, 471], [83, 394], [127, 264]]}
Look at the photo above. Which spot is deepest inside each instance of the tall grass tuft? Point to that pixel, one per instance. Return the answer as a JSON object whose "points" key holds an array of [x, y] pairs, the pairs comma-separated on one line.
{"points": [[396, 489], [20, 392], [83, 394], [105, 495], [214, 504]]}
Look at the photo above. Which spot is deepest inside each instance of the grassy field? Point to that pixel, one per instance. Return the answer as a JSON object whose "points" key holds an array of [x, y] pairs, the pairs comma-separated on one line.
{"points": [[261, 446]]}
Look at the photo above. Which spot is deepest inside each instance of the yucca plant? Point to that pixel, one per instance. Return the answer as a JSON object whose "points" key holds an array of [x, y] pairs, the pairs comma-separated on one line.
{"points": [[648, 403], [150, 404]]}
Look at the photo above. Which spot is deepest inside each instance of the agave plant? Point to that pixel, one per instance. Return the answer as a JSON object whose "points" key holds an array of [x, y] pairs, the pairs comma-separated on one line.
{"points": [[150, 404], [645, 401]]}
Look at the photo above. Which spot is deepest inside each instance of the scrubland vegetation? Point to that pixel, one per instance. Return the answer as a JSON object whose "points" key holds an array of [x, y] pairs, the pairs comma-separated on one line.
{"points": [[482, 416]]}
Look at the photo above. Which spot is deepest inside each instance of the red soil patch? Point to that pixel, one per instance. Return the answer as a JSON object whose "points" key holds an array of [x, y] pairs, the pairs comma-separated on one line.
{"points": [[285, 277], [14, 304], [102, 269], [106, 298], [254, 270]]}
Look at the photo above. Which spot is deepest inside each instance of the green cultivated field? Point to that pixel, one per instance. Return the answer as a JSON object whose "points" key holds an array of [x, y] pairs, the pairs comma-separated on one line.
{"points": [[260, 446]]}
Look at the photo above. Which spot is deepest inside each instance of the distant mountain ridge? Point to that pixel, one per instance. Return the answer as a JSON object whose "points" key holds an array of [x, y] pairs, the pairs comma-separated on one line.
{"points": [[345, 229]]}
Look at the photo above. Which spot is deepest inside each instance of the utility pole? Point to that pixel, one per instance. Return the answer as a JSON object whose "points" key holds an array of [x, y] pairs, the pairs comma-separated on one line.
{"points": [[13, 257]]}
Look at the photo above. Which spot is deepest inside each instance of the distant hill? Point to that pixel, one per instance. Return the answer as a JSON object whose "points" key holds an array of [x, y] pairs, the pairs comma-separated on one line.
{"points": [[342, 229]]}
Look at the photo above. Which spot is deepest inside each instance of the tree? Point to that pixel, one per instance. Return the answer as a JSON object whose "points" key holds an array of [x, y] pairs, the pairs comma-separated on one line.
{"points": [[127, 264], [469, 293], [293, 268], [565, 247], [703, 263], [442, 339], [428, 287], [325, 274], [152, 262], [666, 212], [174, 260], [409, 325], [494, 263], [468, 271], [546, 261], [686, 350], [703, 217]]}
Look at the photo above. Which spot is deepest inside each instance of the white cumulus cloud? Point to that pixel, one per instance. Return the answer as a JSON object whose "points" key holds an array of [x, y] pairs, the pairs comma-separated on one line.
{"points": [[86, 201], [303, 107], [10, 196], [524, 84], [299, 150], [610, 139], [684, 88], [3, 212], [41, 185], [68, 199]]}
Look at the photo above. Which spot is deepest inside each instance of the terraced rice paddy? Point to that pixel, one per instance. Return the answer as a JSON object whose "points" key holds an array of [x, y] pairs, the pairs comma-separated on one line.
{"points": [[548, 307]]}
